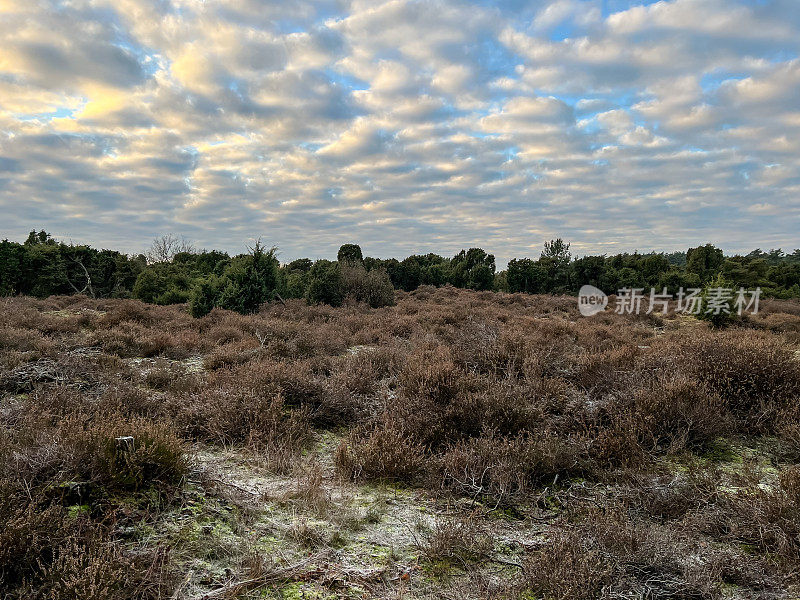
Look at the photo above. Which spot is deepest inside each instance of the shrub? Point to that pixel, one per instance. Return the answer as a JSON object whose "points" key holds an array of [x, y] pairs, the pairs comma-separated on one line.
{"points": [[372, 287], [325, 284], [231, 415], [503, 469], [91, 569], [205, 296], [766, 519], [455, 540], [717, 309], [604, 554], [672, 412], [380, 453], [125, 453], [755, 375], [250, 280]]}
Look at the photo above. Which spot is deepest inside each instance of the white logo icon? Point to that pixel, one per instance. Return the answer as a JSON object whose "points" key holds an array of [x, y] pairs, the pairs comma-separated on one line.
{"points": [[591, 300]]}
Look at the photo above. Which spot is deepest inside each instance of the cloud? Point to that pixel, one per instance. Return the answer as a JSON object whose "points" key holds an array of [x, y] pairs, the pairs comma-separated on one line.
{"points": [[409, 125]]}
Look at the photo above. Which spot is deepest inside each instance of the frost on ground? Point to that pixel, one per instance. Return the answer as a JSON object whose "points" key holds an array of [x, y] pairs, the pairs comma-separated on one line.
{"points": [[318, 536]]}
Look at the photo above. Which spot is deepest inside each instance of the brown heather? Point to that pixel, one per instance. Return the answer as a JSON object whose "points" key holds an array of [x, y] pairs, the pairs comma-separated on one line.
{"points": [[606, 432]]}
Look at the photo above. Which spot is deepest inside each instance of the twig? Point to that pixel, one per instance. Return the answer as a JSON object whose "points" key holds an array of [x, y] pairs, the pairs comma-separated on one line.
{"points": [[238, 587]]}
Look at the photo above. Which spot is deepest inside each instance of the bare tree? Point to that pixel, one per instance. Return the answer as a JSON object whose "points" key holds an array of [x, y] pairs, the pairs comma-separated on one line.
{"points": [[164, 248], [88, 287]]}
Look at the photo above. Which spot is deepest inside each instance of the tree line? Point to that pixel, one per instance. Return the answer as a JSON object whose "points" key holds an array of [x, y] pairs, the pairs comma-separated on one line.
{"points": [[173, 272]]}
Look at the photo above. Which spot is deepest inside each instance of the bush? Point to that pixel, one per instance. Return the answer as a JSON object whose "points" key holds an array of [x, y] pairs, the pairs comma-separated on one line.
{"points": [[325, 285], [456, 541], [372, 287], [502, 469], [756, 375], [719, 311], [125, 453], [379, 453], [673, 412], [250, 281], [767, 519], [205, 296], [604, 554], [230, 414]]}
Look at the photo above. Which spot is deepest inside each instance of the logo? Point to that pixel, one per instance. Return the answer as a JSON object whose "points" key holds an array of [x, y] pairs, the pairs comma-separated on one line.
{"points": [[591, 300]]}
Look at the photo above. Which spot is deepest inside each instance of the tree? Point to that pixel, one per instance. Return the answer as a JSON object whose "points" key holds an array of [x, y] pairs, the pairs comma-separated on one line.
{"points": [[164, 248], [302, 265], [524, 275], [325, 284], [555, 261], [704, 261], [717, 303], [373, 287], [46, 271], [205, 296], [557, 250], [675, 279], [653, 266], [592, 270], [473, 269], [42, 237], [251, 280], [148, 286], [12, 259], [350, 253], [410, 273]]}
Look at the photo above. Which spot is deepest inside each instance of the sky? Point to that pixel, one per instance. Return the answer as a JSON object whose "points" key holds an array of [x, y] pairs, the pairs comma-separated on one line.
{"points": [[406, 126]]}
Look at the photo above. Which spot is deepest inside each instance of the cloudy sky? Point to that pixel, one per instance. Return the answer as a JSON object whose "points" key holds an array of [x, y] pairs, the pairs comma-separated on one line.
{"points": [[408, 126]]}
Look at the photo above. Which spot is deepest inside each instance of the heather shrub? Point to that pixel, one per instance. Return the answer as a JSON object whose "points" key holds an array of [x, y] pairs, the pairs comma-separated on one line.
{"points": [[605, 554], [125, 453], [228, 415], [755, 375], [673, 412], [671, 496], [455, 540], [601, 372], [382, 452], [572, 566], [92, 568], [502, 469], [129, 400], [24, 340], [50, 553], [431, 372], [789, 435], [29, 535], [766, 519]]}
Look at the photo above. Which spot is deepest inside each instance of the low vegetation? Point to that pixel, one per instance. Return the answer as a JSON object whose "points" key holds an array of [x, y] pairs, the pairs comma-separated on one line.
{"points": [[450, 443]]}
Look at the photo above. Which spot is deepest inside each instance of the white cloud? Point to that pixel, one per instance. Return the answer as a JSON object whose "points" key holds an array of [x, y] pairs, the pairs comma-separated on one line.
{"points": [[410, 125]]}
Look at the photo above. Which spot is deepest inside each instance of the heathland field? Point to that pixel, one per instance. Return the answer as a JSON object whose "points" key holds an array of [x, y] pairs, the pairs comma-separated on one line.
{"points": [[455, 445]]}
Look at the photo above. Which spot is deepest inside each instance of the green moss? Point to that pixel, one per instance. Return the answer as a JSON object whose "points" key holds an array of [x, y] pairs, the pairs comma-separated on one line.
{"points": [[721, 450], [78, 509]]}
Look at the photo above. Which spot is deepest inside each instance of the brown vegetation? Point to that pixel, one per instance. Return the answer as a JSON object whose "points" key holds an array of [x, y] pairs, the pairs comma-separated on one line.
{"points": [[507, 401]]}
